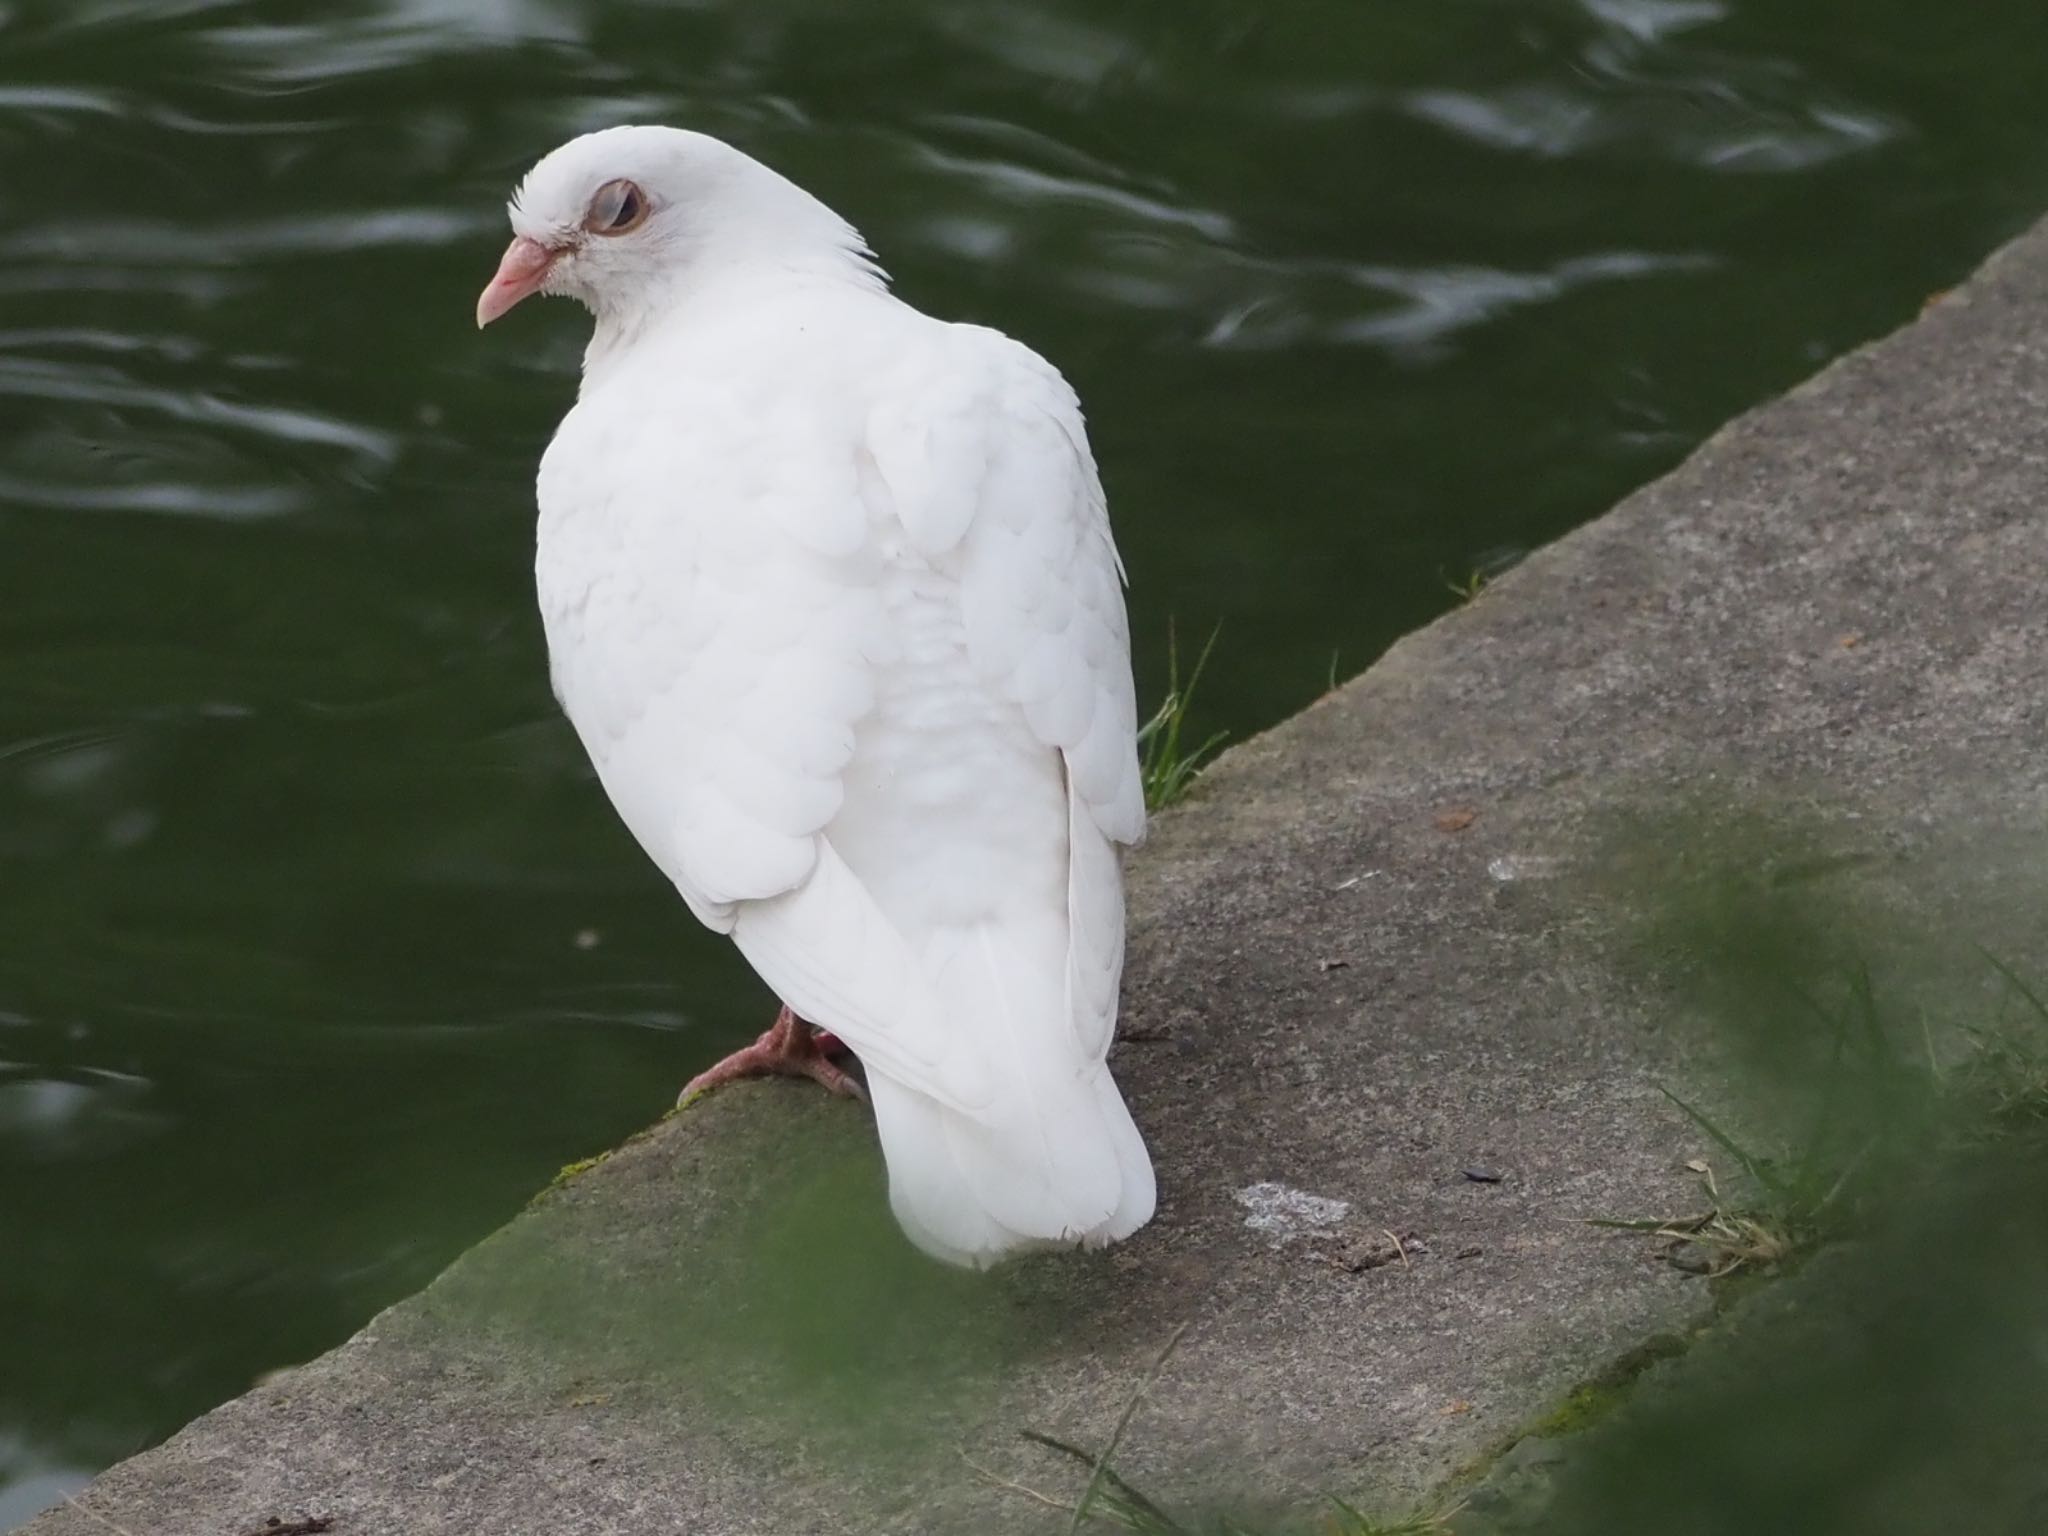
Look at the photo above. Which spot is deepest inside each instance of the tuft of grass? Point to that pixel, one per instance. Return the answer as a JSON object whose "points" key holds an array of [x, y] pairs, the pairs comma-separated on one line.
{"points": [[1468, 590], [1887, 1115], [1730, 1237], [1167, 764], [1491, 563], [2006, 1072]]}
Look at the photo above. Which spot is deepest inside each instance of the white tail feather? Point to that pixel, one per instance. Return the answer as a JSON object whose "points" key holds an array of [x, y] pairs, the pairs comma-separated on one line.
{"points": [[999, 1121], [938, 1199], [1055, 1161]]}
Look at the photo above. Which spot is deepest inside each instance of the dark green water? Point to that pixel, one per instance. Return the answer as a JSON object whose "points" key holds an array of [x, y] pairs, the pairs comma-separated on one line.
{"points": [[319, 948]]}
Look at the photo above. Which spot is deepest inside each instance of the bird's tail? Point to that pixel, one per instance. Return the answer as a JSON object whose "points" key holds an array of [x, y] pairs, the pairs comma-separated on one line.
{"points": [[1055, 1160]]}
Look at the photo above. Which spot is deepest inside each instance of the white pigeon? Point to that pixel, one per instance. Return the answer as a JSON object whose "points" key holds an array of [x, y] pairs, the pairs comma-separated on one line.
{"points": [[831, 599]]}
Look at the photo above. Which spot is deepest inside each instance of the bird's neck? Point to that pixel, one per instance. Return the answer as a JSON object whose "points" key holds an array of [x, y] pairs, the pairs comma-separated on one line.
{"points": [[725, 281], [769, 240]]}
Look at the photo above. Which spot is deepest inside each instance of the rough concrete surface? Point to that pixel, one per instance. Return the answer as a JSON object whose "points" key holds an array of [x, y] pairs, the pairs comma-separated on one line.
{"points": [[1365, 958]]}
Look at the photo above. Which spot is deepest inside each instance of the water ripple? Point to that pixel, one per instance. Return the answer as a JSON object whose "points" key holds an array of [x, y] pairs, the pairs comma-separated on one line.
{"points": [[1441, 301], [59, 98], [133, 241], [179, 349], [1555, 122], [1015, 183], [1651, 21], [1317, 302], [411, 32], [1065, 49], [29, 378], [171, 497]]}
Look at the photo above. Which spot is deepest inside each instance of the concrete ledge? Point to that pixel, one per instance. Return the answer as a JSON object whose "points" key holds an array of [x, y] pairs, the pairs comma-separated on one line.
{"points": [[1368, 955]]}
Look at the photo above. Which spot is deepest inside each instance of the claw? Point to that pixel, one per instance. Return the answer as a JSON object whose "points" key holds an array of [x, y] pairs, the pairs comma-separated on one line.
{"points": [[790, 1048]]}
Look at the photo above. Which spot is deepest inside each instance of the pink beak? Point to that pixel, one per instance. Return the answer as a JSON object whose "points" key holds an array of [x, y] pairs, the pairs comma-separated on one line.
{"points": [[520, 274]]}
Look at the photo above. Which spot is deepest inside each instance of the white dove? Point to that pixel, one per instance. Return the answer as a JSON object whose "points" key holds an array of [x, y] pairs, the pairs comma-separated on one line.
{"points": [[831, 599]]}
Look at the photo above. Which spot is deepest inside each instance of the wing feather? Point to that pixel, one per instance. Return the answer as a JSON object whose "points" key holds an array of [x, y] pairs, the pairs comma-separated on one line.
{"points": [[1042, 599], [718, 672], [1041, 580]]}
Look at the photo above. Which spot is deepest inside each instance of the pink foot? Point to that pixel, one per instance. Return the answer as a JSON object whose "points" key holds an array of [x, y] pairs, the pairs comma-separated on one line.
{"points": [[790, 1048]]}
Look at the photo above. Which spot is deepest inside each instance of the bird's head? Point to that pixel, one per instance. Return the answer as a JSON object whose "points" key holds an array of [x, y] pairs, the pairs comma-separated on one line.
{"points": [[622, 219]]}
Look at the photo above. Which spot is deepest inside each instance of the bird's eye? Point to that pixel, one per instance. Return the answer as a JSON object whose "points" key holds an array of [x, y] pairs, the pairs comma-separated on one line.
{"points": [[618, 207]]}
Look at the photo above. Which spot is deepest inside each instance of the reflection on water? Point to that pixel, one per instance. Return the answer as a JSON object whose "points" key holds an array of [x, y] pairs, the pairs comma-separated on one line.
{"points": [[321, 949], [29, 1485]]}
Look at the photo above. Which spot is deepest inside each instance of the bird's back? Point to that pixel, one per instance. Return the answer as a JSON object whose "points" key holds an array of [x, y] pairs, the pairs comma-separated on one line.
{"points": [[831, 600]]}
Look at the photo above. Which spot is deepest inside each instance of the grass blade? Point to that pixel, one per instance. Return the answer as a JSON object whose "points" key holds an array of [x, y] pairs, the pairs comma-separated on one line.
{"points": [[1166, 766], [2017, 982], [1754, 1167], [1123, 1422], [1115, 1499]]}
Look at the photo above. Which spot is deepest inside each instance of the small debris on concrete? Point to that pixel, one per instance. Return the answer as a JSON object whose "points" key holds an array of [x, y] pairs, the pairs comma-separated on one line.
{"points": [[1457, 819], [1327, 966], [1482, 1175], [1359, 1252], [311, 1526]]}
